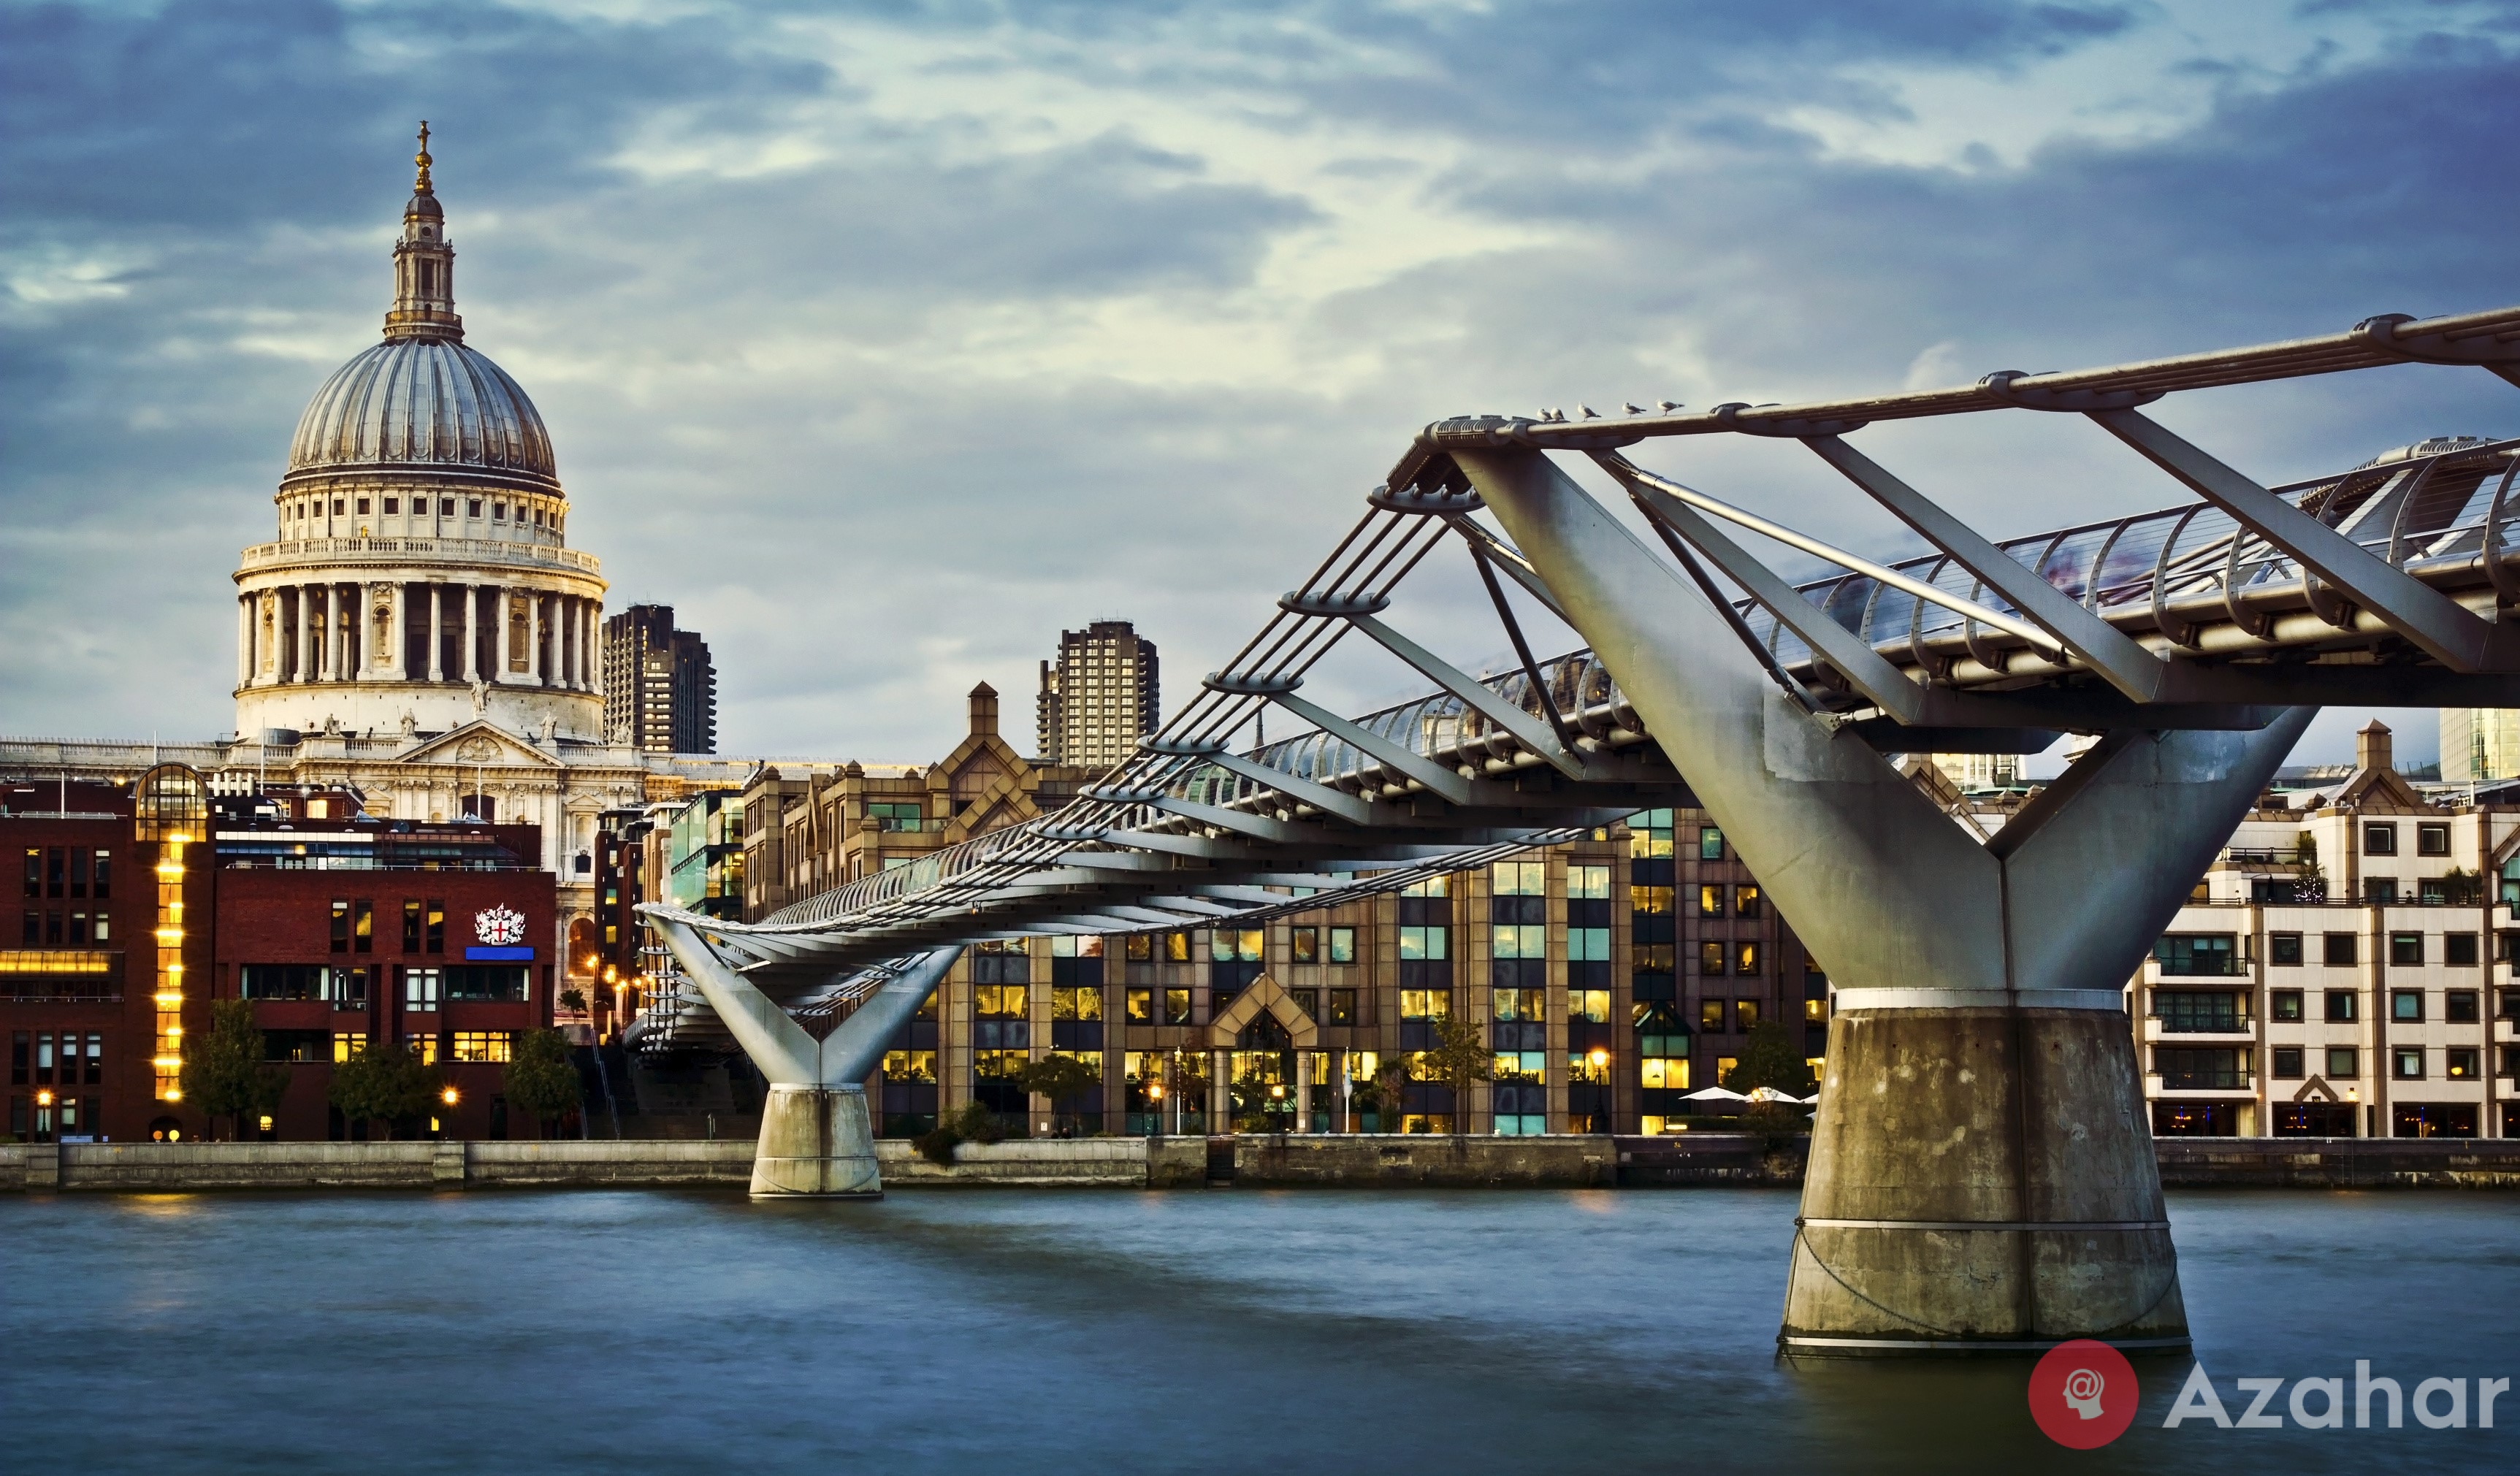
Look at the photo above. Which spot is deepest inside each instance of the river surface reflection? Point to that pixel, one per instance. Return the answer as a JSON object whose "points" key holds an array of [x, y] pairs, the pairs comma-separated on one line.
{"points": [[1223, 1330]]}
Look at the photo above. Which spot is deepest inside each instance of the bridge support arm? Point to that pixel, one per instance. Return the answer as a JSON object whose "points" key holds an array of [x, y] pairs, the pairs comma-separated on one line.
{"points": [[851, 1052], [776, 1043]]}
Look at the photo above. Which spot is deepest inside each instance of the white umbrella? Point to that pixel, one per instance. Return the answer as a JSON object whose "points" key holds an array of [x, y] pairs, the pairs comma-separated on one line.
{"points": [[1772, 1094], [1713, 1094]]}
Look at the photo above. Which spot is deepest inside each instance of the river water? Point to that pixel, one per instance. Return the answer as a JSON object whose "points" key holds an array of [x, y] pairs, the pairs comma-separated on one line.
{"points": [[1224, 1330]]}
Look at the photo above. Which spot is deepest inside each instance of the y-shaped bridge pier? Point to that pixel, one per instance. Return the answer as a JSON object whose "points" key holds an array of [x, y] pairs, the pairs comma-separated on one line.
{"points": [[1981, 1176]]}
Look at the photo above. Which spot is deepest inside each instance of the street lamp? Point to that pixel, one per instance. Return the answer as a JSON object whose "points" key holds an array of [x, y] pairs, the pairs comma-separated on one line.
{"points": [[447, 1097], [1600, 1061]]}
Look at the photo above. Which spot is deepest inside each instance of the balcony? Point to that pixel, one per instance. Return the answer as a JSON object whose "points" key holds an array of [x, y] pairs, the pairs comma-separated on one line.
{"points": [[524, 553], [2208, 1078]]}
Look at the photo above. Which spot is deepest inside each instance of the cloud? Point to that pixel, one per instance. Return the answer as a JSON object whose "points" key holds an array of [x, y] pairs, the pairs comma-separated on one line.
{"points": [[884, 341]]}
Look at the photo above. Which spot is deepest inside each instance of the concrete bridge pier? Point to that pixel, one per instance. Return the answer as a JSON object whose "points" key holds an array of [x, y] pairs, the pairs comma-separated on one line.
{"points": [[817, 1132], [1982, 1177]]}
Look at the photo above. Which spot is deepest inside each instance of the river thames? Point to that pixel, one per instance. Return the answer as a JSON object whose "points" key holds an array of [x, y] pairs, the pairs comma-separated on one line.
{"points": [[1095, 1330]]}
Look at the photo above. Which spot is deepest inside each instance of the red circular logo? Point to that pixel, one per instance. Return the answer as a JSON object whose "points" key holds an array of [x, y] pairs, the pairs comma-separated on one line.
{"points": [[2082, 1394]]}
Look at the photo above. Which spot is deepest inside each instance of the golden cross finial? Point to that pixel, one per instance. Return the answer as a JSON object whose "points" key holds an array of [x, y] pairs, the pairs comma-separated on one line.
{"points": [[422, 157]]}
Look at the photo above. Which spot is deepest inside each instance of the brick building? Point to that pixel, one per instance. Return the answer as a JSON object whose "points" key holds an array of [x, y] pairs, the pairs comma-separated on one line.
{"points": [[143, 903]]}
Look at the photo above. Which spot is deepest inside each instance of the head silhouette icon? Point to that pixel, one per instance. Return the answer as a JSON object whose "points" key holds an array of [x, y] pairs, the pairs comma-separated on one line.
{"points": [[2083, 1389]]}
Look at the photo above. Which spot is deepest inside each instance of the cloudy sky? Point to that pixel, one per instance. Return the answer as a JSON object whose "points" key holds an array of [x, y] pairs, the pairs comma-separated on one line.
{"points": [[882, 342]]}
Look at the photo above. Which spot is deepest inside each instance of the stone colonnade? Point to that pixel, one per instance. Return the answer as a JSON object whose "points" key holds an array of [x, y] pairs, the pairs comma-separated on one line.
{"points": [[348, 631]]}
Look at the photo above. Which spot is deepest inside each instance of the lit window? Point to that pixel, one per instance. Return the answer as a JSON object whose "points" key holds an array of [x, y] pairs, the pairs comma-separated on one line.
{"points": [[483, 1046]]}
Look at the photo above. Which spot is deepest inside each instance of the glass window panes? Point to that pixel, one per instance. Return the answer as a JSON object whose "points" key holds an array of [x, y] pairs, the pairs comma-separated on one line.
{"points": [[1520, 879]]}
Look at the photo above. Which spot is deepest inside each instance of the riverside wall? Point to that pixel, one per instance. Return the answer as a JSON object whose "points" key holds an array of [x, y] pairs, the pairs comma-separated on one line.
{"points": [[1708, 1159]]}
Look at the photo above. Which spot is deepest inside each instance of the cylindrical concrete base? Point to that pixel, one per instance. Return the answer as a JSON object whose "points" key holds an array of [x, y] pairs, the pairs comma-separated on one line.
{"points": [[1981, 1181], [817, 1141]]}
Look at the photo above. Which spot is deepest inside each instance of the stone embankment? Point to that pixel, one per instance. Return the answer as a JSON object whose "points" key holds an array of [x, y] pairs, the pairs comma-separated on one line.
{"points": [[1339, 1161]]}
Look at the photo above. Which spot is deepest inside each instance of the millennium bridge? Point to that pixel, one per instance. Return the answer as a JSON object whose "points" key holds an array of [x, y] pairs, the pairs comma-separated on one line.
{"points": [[1981, 1175]]}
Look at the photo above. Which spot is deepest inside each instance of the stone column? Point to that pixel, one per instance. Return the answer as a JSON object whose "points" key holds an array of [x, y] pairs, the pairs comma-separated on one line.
{"points": [[471, 639], [1303, 1092], [244, 640], [398, 637], [436, 667], [1220, 1093], [303, 668], [534, 639]]}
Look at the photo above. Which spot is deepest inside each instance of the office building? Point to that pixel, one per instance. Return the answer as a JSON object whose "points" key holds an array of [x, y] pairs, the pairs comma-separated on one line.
{"points": [[659, 689], [1098, 697]]}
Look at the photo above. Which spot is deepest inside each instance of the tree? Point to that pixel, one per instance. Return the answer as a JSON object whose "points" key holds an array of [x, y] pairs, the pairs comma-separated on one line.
{"points": [[1773, 1057], [1190, 1082], [223, 1072], [384, 1083], [540, 1079], [1461, 1060], [972, 1122], [1061, 1078], [1386, 1094]]}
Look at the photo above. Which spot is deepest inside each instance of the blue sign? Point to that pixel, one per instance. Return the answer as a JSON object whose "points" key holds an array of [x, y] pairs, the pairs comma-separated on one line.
{"points": [[499, 955]]}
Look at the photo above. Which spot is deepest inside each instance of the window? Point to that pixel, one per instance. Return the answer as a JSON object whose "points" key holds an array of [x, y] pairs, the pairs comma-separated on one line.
{"points": [[1520, 940], [395, 503], [481, 1045], [2198, 1012], [2285, 1004], [341, 926], [2459, 1064], [2406, 950], [337, 507], [910, 1066], [1175, 1007], [2195, 953], [1080, 1003], [1710, 843], [2407, 1063], [1746, 958], [2405, 1007], [363, 506], [1745, 1016], [411, 925], [1710, 1016], [1228, 945], [1424, 943], [1342, 945], [2432, 840], [1519, 878], [1303, 944], [1652, 959], [2379, 891], [1587, 883], [2340, 1006], [2458, 950], [1343, 1008], [2379, 839], [1710, 900], [894, 815], [498, 512], [2343, 1063], [1424, 1003], [1140, 1004], [1664, 1073], [1592, 1005], [2460, 1006], [2339, 951], [1177, 948], [1002, 1002], [491, 982], [103, 862], [472, 507], [1588, 945], [363, 925], [2189, 1068], [1511, 1004], [1710, 958], [2287, 1063], [1745, 900], [436, 921], [446, 507], [2284, 950], [1649, 835], [419, 989], [1650, 901], [1139, 948]]}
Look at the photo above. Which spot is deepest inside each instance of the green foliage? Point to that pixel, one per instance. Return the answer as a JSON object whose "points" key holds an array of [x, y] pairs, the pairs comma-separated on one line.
{"points": [[384, 1083], [969, 1123], [573, 998], [224, 1074], [1060, 1077], [1461, 1060], [539, 1079], [1773, 1057], [1255, 1100]]}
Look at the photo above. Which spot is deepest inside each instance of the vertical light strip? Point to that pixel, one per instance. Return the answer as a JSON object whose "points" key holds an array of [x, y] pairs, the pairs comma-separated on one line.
{"points": [[169, 995]]}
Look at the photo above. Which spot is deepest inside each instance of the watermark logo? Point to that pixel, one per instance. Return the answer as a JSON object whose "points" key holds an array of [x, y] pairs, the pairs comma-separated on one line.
{"points": [[2082, 1394], [2320, 1404]]}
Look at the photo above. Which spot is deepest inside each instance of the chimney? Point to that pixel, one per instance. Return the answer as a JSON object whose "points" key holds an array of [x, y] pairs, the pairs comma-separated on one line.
{"points": [[2371, 747], [984, 709]]}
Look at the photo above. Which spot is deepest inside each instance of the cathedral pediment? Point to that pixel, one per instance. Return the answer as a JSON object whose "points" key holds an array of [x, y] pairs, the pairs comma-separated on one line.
{"points": [[479, 744]]}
